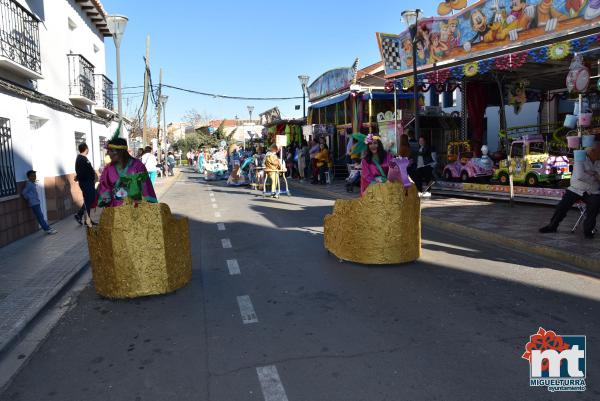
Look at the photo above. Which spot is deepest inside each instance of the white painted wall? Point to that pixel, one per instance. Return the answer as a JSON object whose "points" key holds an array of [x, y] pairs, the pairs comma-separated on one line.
{"points": [[50, 149], [527, 116]]}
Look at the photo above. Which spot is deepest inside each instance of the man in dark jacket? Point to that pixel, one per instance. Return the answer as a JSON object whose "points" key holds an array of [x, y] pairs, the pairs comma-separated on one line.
{"points": [[86, 177]]}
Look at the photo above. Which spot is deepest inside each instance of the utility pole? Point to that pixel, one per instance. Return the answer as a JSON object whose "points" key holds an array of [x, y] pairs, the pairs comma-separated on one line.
{"points": [[158, 111], [146, 92]]}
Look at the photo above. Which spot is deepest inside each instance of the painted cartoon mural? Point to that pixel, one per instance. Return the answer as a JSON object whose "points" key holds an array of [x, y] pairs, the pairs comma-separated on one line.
{"points": [[483, 27]]}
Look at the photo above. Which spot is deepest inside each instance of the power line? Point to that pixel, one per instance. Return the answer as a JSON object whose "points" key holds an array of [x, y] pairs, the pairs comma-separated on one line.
{"points": [[215, 95], [196, 92]]}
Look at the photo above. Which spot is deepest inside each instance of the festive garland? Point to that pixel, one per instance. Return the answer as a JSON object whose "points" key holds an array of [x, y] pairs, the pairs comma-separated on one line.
{"points": [[509, 62], [559, 51], [471, 69]]}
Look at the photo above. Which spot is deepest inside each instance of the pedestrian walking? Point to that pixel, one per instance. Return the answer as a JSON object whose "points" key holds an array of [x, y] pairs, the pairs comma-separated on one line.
{"points": [[171, 163], [425, 159], [315, 148], [149, 160], [85, 175], [302, 157], [31, 196]]}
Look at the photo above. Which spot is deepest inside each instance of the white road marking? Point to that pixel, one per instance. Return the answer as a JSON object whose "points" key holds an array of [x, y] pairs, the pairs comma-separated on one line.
{"points": [[221, 226], [215, 205], [270, 383], [212, 200], [226, 242], [234, 267], [217, 214], [247, 310]]}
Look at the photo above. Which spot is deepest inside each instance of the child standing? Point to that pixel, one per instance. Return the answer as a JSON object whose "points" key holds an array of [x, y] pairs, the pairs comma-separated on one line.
{"points": [[31, 196]]}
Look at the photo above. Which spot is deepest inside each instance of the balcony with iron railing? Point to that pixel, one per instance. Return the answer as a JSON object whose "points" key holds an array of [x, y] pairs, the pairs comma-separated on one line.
{"points": [[104, 94], [81, 80], [19, 41]]}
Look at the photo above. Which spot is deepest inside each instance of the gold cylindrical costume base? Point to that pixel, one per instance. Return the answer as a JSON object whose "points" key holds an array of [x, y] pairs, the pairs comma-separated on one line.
{"points": [[139, 250], [381, 227]]}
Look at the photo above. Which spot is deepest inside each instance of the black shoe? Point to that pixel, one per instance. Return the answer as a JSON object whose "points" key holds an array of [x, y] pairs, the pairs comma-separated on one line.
{"points": [[547, 229], [78, 219], [589, 235]]}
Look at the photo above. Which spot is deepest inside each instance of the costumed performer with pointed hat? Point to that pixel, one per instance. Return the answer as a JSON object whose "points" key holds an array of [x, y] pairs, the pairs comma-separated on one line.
{"points": [[125, 177]]}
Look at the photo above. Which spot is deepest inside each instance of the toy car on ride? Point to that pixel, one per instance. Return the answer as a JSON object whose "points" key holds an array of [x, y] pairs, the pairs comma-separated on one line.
{"points": [[463, 165], [532, 164]]}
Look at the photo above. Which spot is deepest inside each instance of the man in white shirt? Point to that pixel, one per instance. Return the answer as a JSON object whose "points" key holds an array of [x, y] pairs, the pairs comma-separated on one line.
{"points": [[585, 185], [150, 162]]}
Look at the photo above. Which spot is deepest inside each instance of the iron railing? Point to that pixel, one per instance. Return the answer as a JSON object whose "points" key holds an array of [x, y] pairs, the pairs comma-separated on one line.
{"points": [[8, 183], [19, 36], [104, 91], [81, 77]]}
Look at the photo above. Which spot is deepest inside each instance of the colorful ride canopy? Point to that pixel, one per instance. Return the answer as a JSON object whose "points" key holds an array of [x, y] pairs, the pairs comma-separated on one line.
{"points": [[485, 28]]}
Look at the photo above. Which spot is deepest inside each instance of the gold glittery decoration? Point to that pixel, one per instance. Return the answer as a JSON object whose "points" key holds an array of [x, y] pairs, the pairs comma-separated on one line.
{"points": [[381, 227], [138, 251]]}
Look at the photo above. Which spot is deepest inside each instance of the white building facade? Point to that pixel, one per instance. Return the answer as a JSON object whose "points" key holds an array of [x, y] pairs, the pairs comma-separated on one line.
{"points": [[54, 95]]}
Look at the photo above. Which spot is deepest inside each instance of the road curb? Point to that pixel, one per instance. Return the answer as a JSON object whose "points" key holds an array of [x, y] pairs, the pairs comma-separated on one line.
{"points": [[169, 184], [574, 259], [521, 245], [23, 323], [16, 332]]}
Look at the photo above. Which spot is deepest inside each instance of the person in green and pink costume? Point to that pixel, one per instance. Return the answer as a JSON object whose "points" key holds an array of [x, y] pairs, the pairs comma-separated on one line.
{"points": [[125, 177]]}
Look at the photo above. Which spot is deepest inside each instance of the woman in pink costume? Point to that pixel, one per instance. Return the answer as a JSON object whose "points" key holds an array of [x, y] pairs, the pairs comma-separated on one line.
{"points": [[376, 163], [125, 177]]}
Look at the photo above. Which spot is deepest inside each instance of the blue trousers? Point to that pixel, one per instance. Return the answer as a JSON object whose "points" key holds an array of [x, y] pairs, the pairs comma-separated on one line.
{"points": [[37, 210]]}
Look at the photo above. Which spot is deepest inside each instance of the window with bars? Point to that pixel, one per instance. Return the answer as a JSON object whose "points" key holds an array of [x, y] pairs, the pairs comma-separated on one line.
{"points": [[79, 139], [8, 183]]}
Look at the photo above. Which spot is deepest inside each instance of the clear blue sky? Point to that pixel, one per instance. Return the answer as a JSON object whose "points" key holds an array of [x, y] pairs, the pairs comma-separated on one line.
{"points": [[241, 48]]}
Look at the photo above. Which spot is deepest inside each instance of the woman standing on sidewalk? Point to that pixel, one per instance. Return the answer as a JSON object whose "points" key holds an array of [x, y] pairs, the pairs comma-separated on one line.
{"points": [[302, 156]]}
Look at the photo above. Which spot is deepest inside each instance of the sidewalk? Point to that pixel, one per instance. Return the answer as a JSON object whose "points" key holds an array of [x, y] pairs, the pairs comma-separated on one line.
{"points": [[496, 222], [36, 268]]}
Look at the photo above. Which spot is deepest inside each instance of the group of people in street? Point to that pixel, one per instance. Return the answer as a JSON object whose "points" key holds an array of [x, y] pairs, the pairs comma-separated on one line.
{"points": [[122, 176], [308, 161]]}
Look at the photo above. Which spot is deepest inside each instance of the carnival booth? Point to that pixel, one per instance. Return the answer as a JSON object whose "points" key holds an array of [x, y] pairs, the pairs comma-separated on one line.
{"points": [[347, 100], [512, 61]]}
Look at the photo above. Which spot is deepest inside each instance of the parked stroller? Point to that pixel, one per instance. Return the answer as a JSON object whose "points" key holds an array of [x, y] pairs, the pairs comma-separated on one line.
{"points": [[353, 179]]}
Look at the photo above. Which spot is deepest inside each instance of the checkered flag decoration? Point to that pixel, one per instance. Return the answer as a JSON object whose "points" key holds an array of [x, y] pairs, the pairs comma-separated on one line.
{"points": [[390, 47]]}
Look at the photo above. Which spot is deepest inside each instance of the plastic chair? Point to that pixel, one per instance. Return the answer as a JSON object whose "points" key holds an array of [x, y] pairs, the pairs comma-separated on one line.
{"points": [[581, 206]]}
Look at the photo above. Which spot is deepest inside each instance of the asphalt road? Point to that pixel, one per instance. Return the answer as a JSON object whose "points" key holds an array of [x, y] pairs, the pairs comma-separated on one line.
{"points": [[296, 324]]}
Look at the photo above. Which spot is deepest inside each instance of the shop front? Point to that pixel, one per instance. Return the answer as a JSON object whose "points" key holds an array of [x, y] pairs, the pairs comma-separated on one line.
{"points": [[347, 100]]}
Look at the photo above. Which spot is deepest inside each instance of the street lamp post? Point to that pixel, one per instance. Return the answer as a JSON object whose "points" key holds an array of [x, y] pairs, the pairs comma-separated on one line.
{"points": [[163, 100], [116, 25], [303, 82], [411, 18], [250, 110]]}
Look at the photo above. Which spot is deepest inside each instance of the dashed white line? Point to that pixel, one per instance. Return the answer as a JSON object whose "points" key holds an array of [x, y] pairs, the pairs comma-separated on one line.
{"points": [[226, 242], [270, 383], [221, 226], [234, 267], [212, 200], [215, 205], [247, 310], [217, 214]]}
